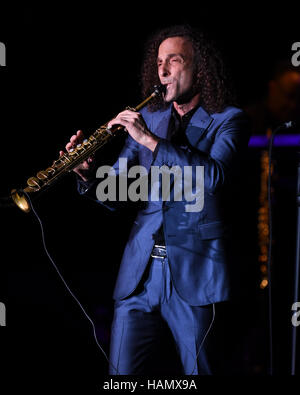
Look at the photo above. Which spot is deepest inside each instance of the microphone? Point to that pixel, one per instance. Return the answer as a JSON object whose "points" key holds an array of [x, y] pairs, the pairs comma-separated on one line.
{"points": [[287, 126], [290, 125]]}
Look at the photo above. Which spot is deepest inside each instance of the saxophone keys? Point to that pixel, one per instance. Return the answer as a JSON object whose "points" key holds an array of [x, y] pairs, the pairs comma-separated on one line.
{"points": [[33, 182], [42, 175], [50, 170], [130, 108], [92, 139], [72, 152]]}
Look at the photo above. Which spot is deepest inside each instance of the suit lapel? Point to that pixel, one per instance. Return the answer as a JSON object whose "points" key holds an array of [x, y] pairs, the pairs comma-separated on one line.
{"points": [[161, 123], [197, 126], [159, 126]]}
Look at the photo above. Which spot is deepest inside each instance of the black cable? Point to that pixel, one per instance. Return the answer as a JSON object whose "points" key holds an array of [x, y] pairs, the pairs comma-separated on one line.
{"points": [[203, 340], [66, 285]]}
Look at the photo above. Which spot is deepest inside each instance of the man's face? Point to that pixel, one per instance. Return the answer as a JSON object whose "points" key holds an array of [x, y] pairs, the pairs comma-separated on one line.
{"points": [[176, 68]]}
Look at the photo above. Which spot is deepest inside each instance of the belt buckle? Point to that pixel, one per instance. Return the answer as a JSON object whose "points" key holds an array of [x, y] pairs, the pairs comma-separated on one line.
{"points": [[159, 248]]}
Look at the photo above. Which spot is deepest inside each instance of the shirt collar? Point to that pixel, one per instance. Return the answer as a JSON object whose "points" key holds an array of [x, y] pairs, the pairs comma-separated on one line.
{"points": [[186, 116]]}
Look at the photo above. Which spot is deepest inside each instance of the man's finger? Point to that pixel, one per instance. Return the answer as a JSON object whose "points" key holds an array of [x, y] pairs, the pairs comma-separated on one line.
{"points": [[74, 139], [80, 135], [117, 121], [69, 146]]}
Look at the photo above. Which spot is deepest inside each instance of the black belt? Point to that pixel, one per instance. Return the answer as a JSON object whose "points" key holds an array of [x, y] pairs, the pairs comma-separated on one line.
{"points": [[159, 251]]}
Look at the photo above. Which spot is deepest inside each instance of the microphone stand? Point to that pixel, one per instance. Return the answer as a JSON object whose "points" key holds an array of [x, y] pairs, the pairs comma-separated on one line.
{"points": [[297, 270], [283, 127]]}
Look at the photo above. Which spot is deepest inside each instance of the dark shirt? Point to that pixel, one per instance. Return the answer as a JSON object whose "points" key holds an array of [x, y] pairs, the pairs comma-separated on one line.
{"points": [[176, 134]]}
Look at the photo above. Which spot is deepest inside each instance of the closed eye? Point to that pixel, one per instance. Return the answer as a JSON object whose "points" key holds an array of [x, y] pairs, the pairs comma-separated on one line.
{"points": [[176, 58], [171, 59]]}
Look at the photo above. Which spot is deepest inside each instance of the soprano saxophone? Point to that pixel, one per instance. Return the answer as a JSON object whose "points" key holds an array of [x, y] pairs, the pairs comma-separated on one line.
{"points": [[68, 161]]}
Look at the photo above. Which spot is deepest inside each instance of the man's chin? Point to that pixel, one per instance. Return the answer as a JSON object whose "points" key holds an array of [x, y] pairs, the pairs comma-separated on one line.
{"points": [[179, 99], [168, 98], [184, 98]]}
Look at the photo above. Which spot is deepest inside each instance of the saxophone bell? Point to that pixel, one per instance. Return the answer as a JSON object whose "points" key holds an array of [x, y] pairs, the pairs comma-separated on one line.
{"points": [[21, 200]]}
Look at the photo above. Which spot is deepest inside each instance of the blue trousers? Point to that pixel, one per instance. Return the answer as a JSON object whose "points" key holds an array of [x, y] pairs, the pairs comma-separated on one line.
{"points": [[139, 322]]}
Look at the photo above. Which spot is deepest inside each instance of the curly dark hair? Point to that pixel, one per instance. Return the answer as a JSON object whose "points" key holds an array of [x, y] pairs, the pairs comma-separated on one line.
{"points": [[211, 77]]}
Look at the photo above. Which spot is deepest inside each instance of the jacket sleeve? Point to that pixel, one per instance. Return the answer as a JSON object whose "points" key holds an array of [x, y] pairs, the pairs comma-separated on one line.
{"points": [[88, 188], [221, 163]]}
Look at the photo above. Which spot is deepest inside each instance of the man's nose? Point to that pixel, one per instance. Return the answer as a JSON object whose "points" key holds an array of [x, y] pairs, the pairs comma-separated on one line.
{"points": [[164, 70]]}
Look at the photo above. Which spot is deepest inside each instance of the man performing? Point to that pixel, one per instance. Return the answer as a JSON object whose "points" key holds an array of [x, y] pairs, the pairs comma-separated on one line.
{"points": [[177, 266]]}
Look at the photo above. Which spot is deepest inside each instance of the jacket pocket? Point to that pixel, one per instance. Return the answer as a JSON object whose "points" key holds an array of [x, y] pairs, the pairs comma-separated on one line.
{"points": [[212, 230]]}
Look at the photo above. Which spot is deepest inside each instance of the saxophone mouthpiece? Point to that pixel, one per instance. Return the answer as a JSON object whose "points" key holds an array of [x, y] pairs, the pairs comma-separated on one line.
{"points": [[160, 89]]}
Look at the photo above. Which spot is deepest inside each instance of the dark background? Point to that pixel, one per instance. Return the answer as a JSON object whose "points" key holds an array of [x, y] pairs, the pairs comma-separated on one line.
{"points": [[75, 68]]}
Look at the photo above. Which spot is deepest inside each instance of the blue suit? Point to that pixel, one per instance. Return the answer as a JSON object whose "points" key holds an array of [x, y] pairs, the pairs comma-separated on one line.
{"points": [[199, 244]]}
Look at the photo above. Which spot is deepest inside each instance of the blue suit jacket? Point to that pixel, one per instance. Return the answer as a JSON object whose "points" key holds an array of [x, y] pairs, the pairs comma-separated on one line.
{"points": [[199, 244]]}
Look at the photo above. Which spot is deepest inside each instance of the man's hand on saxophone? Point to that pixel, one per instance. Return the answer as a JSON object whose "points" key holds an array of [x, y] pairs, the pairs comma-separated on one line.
{"points": [[83, 169], [136, 127]]}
